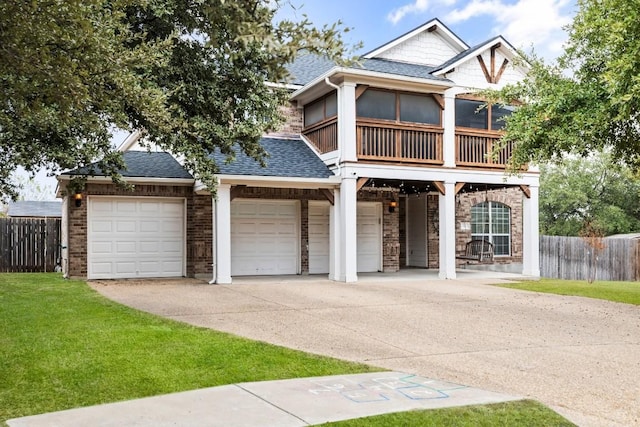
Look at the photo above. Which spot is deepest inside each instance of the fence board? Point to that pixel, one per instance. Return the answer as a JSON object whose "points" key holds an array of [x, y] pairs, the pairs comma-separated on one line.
{"points": [[569, 258], [29, 244]]}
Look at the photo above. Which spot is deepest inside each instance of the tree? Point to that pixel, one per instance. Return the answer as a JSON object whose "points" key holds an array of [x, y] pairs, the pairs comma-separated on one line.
{"points": [[192, 74], [587, 101], [595, 191]]}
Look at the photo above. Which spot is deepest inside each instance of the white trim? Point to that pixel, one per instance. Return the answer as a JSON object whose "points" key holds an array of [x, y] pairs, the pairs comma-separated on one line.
{"points": [[447, 35], [133, 180], [279, 182], [505, 47], [290, 86], [129, 141]]}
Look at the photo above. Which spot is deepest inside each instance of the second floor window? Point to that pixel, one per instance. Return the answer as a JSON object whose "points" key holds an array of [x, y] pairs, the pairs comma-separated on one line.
{"points": [[399, 107], [473, 114], [321, 110]]}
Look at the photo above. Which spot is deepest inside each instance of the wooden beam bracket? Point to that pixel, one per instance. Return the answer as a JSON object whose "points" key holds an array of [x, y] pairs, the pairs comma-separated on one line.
{"points": [[328, 194], [361, 182], [439, 186], [527, 192], [459, 186]]}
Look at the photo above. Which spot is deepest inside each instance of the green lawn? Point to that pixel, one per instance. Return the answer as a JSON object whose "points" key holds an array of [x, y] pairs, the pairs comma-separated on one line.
{"points": [[62, 345], [626, 292], [520, 413]]}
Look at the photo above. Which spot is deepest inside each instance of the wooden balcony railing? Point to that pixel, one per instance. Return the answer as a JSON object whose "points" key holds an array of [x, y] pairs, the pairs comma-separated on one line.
{"points": [[324, 135], [475, 148], [398, 142]]}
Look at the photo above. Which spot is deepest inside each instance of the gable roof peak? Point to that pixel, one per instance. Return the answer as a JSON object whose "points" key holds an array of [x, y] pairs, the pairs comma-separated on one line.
{"points": [[433, 25]]}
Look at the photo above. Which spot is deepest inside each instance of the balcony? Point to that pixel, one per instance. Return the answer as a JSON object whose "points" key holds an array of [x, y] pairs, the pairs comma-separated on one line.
{"points": [[474, 148], [412, 143]]}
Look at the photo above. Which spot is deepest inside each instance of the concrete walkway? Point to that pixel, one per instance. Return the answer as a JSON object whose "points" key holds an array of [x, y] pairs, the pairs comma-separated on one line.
{"points": [[579, 356], [287, 403]]}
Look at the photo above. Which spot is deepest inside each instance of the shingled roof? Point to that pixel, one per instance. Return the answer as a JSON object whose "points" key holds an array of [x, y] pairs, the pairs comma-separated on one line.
{"points": [[287, 158], [35, 209], [308, 67], [142, 164]]}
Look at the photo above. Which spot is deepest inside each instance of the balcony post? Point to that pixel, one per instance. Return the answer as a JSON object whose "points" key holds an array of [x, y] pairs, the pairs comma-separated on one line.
{"points": [[447, 223], [347, 122], [530, 237], [223, 234], [335, 237], [348, 230], [449, 124]]}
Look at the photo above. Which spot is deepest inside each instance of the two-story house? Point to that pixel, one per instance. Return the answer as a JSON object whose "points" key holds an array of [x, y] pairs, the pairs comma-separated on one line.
{"points": [[381, 165]]}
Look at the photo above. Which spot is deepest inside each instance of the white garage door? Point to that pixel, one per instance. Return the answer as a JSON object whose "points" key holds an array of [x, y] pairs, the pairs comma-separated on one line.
{"points": [[264, 237], [369, 237], [318, 237], [135, 237]]}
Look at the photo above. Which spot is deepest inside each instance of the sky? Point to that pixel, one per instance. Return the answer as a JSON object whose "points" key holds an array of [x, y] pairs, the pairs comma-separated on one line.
{"points": [[526, 24]]}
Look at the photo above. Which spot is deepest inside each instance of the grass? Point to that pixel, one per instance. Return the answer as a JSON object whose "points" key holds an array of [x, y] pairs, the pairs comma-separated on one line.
{"points": [[625, 292], [62, 345], [520, 413]]}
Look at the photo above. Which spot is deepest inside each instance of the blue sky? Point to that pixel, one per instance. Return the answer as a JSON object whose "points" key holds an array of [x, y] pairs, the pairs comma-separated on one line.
{"points": [[524, 23]]}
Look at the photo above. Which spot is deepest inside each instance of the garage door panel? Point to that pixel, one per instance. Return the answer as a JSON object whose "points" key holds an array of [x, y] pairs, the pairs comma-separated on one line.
{"points": [[135, 237], [264, 237], [319, 237]]}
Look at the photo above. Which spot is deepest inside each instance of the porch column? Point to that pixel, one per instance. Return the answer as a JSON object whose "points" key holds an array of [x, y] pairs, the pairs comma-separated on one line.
{"points": [[347, 122], [449, 123], [348, 230], [530, 238], [447, 219], [334, 238], [223, 234]]}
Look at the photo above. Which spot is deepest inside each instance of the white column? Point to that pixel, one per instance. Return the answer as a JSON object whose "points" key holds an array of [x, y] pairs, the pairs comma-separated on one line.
{"points": [[449, 124], [447, 222], [223, 234], [530, 238], [347, 122], [335, 271], [348, 230]]}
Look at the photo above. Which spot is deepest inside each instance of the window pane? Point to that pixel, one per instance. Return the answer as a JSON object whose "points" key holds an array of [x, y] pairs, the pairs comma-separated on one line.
{"points": [[500, 221], [497, 115], [377, 104], [419, 109], [468, 115], [314, 113], [331, 102], [501, 245], [480, 219]]}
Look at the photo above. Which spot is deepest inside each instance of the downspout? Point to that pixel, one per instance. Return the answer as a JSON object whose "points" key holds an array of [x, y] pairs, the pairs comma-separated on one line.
{"points": [[213, 242], [339, 95]]}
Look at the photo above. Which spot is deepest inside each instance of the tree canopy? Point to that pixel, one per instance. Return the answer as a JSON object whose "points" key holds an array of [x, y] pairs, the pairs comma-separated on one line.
{"points": [[595, 191], [191, 74], [590, 98]]}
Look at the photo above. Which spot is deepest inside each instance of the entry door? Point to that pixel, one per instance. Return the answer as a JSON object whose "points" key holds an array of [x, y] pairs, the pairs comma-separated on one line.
{"points": [[417, 232], [319, 237], [369, 237]]}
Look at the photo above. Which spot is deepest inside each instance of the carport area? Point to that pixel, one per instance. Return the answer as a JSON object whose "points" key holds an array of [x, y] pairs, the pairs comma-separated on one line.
{"points": [[577, 355]]}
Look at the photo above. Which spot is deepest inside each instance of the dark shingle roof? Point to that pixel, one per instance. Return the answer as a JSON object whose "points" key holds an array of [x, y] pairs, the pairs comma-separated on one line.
{"points": [[29, 208], [287, 158], [144, 164], [308, 67]]}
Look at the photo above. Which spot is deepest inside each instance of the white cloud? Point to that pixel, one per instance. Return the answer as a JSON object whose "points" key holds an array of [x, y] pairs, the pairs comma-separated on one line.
{"points": [[524, 23], [416, 7]]}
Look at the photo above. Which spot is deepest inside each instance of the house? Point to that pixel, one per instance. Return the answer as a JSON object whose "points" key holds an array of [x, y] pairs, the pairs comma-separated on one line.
{"points": [[381, 165], [35, 209]]}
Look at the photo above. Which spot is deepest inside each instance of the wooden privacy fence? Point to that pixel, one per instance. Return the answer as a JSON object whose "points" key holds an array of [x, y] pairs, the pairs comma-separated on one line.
{"points": [[569, 258], [29, 244]]}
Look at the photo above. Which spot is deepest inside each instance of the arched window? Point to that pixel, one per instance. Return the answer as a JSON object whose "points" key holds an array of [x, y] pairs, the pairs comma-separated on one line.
{"points": [[492, 221]]}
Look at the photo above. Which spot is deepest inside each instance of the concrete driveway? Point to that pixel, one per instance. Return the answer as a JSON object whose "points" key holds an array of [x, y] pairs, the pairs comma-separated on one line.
{"points": [[577, 355]]}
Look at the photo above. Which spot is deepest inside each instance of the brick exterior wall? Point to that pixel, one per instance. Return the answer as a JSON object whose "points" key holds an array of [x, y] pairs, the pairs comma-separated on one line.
{"points": [[511, 197], [292, 127], [199, 225]]}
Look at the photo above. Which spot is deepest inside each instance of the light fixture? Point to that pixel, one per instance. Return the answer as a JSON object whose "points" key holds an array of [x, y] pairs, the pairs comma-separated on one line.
{"points": [[392, 206], [78, 198]]}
